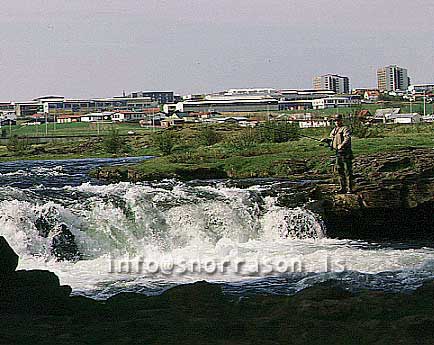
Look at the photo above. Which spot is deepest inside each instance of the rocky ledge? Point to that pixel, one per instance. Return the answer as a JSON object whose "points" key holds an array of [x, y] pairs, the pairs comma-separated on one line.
{"points": [[35, 309], [393, 198]]}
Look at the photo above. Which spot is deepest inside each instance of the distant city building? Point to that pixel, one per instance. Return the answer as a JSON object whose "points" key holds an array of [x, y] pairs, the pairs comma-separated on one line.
{"points": [[250, 92], [421, 89], [304, 94], [97, 117], [392, 78], [335, 102], [128, 116], [162, 97], [7, 106], [59, 105], [371, 95], [229, 104], [333, 82]]}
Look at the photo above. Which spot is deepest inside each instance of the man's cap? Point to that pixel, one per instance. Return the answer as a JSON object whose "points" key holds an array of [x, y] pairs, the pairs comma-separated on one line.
{"points": [[337, 117]]}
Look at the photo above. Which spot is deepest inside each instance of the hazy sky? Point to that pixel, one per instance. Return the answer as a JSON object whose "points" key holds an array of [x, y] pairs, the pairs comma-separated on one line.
{"points": [[96, 48]]}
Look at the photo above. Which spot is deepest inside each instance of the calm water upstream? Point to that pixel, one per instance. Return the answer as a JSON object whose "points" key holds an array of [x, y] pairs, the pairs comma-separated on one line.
{"points": [[147, 237]]}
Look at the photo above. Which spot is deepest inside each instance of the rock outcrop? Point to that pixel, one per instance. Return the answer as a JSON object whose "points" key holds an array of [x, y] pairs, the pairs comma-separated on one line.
{"points": [[28, 291], [8, 258], [393, 198]]}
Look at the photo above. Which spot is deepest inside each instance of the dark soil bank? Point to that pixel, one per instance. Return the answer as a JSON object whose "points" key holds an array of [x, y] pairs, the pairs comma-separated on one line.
{"points": [[35, 309]]}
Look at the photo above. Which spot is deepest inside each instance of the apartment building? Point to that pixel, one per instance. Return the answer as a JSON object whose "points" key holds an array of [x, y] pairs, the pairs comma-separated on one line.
{"points": [[392, 78], [333, 82]]}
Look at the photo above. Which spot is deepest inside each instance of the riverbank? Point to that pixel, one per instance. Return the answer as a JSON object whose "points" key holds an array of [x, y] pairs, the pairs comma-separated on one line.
{"points": [[197, 313]]}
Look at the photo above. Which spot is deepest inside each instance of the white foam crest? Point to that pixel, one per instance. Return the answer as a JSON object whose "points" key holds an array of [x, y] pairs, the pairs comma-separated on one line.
{"points": [[16, 173]]}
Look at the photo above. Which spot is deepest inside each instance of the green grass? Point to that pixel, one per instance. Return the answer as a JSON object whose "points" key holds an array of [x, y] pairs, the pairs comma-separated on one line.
{"points": [[280, 160]]}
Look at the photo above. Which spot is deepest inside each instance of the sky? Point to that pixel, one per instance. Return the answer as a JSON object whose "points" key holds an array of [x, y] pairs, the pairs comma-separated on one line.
{"points": [[97, 48]]}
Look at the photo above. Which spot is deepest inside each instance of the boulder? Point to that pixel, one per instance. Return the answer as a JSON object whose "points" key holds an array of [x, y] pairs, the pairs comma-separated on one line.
{"points": [[8, 258], [63, 245]]}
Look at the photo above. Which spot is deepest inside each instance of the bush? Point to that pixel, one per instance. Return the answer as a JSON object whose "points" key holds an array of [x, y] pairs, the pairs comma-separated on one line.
{"points": [[278, 132], [17, 146], [114, 143], [244, 139], [208, 136], [362, 130], [165, 142]]}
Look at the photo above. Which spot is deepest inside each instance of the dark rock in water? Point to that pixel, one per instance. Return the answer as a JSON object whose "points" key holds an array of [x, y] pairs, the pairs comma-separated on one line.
{"points": [[43, 226], [46, 221], [8, 258], [63, 245]]}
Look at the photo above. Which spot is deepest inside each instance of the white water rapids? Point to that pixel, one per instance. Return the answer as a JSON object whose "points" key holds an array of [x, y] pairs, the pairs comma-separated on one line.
{"points": [[147, 237]]}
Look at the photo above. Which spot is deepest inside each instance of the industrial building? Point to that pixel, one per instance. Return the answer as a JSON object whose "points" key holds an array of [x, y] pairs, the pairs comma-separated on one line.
{"points": [[162, 97], [59, 105], [230, 104]]}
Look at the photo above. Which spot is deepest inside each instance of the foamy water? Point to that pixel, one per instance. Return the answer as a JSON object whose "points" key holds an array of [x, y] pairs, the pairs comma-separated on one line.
{"points": [[148, 237]]}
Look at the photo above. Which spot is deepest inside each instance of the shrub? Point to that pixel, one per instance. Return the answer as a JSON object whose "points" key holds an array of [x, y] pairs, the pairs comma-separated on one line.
{"points": [[165, 142], [114, 143], [16, 145], [278, 132], [362, 130], [244, 139], [208, 136]]}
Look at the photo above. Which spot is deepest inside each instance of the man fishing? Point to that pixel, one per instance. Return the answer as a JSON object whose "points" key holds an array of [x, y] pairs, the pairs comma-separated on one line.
{"points": [[340, 141]]}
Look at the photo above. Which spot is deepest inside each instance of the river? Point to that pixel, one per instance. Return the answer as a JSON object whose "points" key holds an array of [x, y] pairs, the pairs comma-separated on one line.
{"points": [[147, 237]]}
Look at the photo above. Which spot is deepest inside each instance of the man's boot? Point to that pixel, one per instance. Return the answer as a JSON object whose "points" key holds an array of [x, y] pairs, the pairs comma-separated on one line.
{"points": [[350, 185], [342, 185]]}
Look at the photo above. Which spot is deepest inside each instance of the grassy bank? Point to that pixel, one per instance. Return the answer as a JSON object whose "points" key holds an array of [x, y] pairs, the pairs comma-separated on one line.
{"points": [[237, 156], [80, 148], [72, 129]]}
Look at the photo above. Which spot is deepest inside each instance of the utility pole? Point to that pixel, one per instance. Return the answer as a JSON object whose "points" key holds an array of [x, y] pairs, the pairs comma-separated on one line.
{"points": [[153, 120], [46, 124], [424, 103]]}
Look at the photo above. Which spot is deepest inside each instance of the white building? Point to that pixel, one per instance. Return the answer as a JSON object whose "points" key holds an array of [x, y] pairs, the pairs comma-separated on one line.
{"points": [[405, 118], [335, 102], [128, 116], [317, 123], [8, 115], [97, 117]]}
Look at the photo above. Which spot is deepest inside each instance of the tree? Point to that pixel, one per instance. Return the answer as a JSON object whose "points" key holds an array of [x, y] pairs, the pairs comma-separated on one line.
{"points": [[114, 143], [165, 142], [208, 136]]}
